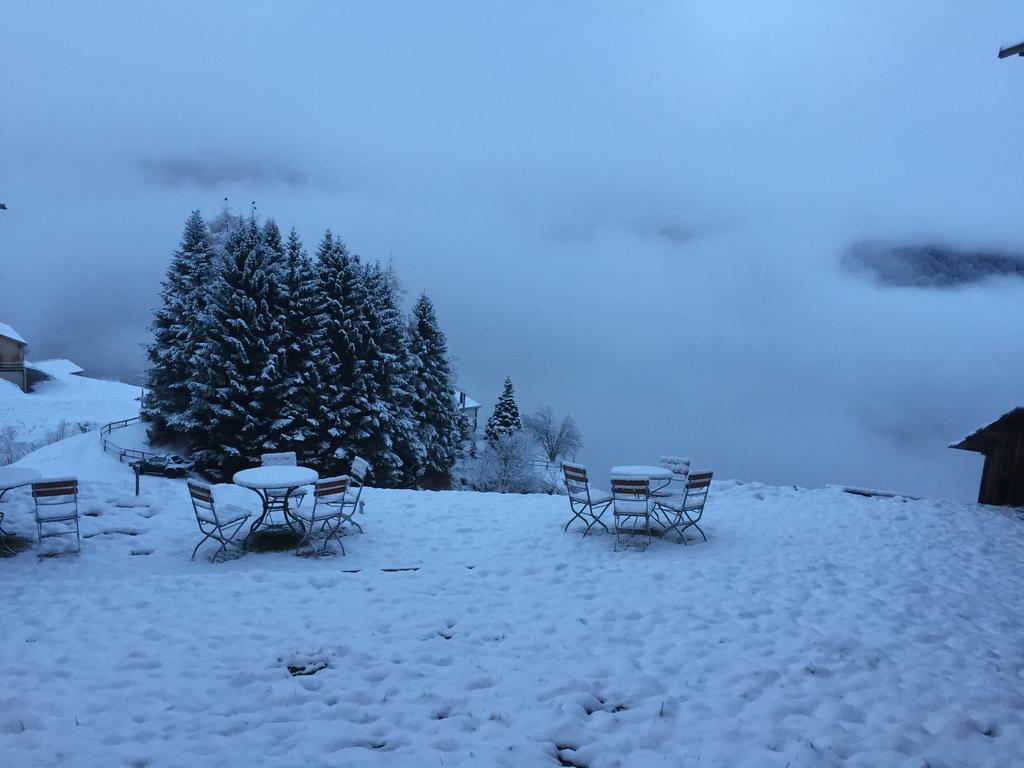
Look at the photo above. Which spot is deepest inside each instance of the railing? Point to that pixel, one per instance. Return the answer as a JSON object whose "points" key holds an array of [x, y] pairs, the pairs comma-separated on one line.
{"points": [[123, 453]]}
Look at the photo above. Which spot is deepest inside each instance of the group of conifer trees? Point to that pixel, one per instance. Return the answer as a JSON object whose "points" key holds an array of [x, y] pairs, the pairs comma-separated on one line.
{"points": [[260, 348]]}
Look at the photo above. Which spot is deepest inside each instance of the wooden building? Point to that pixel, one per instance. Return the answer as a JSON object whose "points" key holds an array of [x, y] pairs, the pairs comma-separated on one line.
{"points": [[469, 408], [12, 357], [1002, 444]]}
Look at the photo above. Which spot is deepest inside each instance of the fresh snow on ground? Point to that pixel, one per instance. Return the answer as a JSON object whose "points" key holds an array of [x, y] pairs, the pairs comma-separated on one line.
{"points": [[814, 628], [77, 401]]}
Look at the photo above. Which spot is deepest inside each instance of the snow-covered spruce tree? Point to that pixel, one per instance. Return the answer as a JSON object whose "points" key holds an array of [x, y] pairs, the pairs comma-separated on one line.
{"points": [[238, 387], [340, 289], [306, 366], [385, 428], [505, 419], [177, 333], [438, 418]]}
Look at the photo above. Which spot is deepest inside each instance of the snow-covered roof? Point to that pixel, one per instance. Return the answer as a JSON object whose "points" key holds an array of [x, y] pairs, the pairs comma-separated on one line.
{"points": [[470, 402], [10, 333], [982, 439], [56, 367]]}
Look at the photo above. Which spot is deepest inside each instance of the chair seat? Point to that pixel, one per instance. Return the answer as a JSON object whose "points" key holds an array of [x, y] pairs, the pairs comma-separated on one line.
{"points": [[295, 492], [596, 497], [49, 513], [677, 503], [630, 508], [317, 512], [226, 515]]}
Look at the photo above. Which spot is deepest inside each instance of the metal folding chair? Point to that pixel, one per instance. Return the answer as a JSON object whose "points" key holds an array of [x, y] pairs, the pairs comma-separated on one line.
{"points": [[327, 513], [357, 478], [584, 501], [685, 511], [631, 501], [56, 502], [276, 496], [680, 467], [220, 525]]}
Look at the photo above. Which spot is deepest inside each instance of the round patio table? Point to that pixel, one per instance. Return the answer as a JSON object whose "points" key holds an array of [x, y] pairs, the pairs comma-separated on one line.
{"points": [[15, 477], [282, 480], [639, 472]]}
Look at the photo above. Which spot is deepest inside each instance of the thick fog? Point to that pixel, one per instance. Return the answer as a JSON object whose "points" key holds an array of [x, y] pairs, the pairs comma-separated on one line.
{"points": [[638, 211]]}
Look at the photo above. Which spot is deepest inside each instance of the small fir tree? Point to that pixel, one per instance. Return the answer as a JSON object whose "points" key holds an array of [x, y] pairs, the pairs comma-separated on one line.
{"points": [[304, 414], [505, 419], [238, 390], [178, 332], [438, 418], [340, 289]]}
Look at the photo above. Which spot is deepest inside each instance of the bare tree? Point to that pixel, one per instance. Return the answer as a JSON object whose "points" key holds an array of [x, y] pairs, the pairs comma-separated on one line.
{"points": [[557, 439]]}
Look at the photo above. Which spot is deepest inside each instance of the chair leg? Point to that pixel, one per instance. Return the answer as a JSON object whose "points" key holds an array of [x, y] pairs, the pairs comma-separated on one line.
{"points": [[201, 542]]}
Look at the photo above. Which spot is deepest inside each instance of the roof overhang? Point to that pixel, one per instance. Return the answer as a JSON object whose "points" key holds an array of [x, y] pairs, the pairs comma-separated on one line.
{"points": [[985, 439]]}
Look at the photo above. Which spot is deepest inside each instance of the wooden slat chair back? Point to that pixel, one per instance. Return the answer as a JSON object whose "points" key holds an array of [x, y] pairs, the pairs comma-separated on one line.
{"points": [[357, 479], [221, 525], [276, 497], [56, 502], [284, 459], [326, 516], [631, 506], [680, 468], [686, 511], [587, 504]]}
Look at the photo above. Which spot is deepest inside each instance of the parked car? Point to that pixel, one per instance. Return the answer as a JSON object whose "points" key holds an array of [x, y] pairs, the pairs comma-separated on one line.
{"points": [[165, 466]]}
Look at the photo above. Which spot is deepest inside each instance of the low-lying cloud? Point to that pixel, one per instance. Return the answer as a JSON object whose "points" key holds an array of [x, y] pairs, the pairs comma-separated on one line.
{"points": [[216, 170], [930, 265]]}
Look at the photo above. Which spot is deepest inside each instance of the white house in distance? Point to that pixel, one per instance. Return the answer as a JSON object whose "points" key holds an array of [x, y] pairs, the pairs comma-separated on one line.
{"points": [[469, 408], [12, 357]]}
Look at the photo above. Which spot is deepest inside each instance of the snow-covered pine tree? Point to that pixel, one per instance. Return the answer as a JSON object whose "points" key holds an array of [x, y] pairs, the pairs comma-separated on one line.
{"points": [[386, 431], [303, 415], [238, 387], [438, 418], [177, 332], [340, 289], [505, 419]]}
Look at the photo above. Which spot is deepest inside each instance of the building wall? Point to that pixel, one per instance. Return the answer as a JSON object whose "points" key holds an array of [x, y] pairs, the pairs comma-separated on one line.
{"points": [[17, 377], [11, 352], [1002, 481]]}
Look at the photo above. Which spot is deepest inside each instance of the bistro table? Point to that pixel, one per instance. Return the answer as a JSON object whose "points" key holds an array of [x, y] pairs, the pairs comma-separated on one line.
{"points": [[13, 477], [653, 474], [274, 481]]}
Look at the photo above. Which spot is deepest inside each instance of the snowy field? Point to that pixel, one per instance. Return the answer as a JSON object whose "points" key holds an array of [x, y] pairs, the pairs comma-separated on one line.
{"points": [[814, 628], [65, 401]]}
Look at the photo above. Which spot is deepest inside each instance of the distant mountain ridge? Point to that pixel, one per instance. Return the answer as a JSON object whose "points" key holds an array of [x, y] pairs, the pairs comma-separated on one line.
{"points": [[929, 265]]}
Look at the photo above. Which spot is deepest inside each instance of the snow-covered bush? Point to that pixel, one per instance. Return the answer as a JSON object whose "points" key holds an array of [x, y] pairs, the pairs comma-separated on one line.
{"points": [[506, 465]]}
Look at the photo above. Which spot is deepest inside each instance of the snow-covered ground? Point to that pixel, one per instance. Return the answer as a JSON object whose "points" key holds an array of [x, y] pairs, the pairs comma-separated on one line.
{"points": [[64, 402], [814, 628]]}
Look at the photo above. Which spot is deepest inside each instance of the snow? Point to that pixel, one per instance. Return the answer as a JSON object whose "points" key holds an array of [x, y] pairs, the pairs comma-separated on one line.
{"points": [[67, 402], [814, 628], [10, 333]]}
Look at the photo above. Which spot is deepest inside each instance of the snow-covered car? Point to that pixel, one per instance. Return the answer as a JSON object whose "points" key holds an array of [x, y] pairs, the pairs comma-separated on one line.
{"points": [[165, 466]]}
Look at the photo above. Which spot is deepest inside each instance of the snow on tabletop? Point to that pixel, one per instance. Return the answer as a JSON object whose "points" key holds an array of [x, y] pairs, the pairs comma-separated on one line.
{"points": [[275, 476], [814, 628], [10, 333]]}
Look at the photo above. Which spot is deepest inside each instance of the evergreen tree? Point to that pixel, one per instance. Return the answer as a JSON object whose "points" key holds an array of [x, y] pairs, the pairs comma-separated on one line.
{"points": [[385, 425], [306, 364], [238, 386], [438, 418], [177, 332], [340, 289], [505, 419]]}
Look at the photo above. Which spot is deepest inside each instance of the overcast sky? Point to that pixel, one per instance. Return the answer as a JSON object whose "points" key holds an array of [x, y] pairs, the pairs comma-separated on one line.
{"points": [[636, 210]]}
